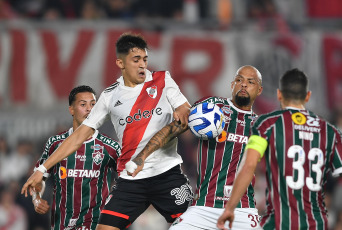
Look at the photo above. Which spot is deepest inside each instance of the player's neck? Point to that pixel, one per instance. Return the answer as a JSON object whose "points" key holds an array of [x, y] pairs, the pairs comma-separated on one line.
{"points": [[244, 107], [75, 126], [293, 105]]}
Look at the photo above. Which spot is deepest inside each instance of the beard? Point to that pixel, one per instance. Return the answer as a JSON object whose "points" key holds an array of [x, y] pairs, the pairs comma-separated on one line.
{"points": [[242, 101]]}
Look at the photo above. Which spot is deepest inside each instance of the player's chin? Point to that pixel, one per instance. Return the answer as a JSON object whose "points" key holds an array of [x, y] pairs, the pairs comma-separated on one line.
{"points": [[141, 79]]}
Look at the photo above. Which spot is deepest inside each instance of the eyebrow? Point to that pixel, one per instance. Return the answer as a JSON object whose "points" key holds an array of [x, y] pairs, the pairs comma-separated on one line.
{"points": [[138, 56], [86, 100], [247, 78]]}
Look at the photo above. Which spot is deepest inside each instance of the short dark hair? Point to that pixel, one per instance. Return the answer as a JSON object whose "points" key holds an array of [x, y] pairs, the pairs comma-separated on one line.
{"points": [[79, 89], [128, 41], [294, 85]]}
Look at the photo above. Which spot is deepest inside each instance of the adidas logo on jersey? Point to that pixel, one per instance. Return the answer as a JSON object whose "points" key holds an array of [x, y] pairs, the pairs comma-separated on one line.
{"points": [[118, 103]]}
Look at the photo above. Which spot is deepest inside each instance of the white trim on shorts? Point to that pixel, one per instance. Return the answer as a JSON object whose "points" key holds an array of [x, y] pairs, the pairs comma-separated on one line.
{"points": [[205, 218]]}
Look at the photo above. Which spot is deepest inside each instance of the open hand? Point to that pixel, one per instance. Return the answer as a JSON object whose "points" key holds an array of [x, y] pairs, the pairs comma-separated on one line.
{"points": [[227, 215], [31, 182]]}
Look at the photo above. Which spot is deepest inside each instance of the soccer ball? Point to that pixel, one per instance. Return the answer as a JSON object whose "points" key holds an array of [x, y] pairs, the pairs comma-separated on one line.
{"points": [[206, 120]]}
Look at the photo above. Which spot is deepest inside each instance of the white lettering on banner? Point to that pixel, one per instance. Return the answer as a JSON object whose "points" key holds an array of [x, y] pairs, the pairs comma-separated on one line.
{"points": [[237, 138], [79, 62], [83, 173]]}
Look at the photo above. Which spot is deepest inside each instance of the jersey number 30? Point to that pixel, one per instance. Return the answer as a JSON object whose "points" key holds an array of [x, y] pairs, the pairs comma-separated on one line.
{"points": [[298, 166]]}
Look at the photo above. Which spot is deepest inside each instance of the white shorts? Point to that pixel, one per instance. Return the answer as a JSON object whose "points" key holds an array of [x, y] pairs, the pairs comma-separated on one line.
{"points": [[200, 217]]}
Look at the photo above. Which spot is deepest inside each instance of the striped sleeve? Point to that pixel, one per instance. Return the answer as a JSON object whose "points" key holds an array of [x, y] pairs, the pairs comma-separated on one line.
{"points": [[337, 159]]}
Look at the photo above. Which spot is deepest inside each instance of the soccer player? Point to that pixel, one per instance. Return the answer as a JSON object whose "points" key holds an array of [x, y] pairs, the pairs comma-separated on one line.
{"points": [[219, 158], [300, 150], [82, 180], [139, 103]]}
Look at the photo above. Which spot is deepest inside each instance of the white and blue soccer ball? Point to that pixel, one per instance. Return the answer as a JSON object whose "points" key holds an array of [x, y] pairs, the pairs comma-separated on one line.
{"points": [[206, 120]]}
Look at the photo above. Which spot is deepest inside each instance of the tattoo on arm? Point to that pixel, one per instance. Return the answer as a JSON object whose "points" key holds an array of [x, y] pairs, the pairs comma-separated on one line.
{"points": [[138, 160], [160, 139]]}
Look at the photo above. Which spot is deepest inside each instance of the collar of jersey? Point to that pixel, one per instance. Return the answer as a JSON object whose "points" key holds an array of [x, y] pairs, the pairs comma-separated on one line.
{"points": [[294, 108], [71, 130], [237, 109]]}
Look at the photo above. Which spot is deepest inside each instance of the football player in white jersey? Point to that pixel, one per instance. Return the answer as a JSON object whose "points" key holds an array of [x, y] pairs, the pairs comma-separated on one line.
{"points": [[139, 104]]}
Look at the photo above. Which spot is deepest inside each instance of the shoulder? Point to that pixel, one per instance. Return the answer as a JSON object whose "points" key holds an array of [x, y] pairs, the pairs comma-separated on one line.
{"points": [[111, 87], [59, 137], [163, 74], [272, 116], [211, 99], [56, 139]]}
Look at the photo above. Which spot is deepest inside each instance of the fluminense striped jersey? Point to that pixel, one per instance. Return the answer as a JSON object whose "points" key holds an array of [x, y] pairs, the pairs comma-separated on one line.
{"points": [[302, 150], [218, 159], [81, 181]]}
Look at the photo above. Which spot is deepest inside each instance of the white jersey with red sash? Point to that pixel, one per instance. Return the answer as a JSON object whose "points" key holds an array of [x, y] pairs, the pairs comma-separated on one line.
{"points": [[138, 113]]}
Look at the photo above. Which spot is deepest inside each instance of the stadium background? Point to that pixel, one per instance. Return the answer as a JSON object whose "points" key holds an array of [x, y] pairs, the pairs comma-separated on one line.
{"points": [[49, 47]]}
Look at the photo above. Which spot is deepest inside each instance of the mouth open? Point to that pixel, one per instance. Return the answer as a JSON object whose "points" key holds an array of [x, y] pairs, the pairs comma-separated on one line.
{"points": [[142, 73]]}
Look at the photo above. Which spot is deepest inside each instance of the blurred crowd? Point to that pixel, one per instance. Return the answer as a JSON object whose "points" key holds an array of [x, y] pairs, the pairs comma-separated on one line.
{"points": [[91, 9], [220, 12]]}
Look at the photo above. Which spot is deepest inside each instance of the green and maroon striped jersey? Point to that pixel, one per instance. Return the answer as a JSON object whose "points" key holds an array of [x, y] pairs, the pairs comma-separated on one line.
{"points": [[302, 149], [81, 181], [218, 158]]}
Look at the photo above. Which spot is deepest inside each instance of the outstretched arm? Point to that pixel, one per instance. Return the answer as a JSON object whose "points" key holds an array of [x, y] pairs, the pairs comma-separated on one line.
{"points": [[70, 145]]}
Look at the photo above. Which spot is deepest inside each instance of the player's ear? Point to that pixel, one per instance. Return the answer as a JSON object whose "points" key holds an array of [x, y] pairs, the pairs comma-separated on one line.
{"points": [[307, 97], [71, 110], [120, 64], [279, 95], [232, 85], [260, 90]]}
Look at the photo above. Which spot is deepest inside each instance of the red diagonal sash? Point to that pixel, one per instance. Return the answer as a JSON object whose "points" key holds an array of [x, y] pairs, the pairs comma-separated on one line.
{"points": [[134, 131]]}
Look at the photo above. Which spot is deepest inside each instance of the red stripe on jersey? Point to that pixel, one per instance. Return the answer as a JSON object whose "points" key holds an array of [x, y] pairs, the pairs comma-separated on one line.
{"points": [[115, 214], [134, 131]]}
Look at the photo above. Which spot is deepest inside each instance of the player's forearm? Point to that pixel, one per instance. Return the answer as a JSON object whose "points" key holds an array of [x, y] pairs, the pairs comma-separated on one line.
{"points": [[160, 139], [70, 145], [241, 183], [244, 177]]}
